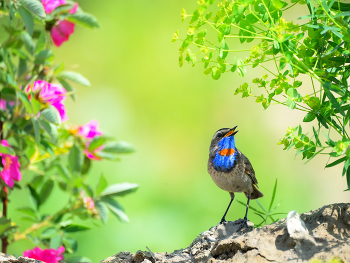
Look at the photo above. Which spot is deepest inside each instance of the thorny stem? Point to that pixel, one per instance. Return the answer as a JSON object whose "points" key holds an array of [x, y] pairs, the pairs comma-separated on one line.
{"points": [[4, 200]]}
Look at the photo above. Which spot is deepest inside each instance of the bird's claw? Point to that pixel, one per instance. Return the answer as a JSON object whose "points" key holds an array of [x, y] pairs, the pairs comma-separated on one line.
{"points": [[243, 224], [223, 221]]}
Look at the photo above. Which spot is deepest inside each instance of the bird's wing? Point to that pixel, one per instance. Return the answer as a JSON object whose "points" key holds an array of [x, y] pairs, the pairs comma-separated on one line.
{"points": [[249, 169]]}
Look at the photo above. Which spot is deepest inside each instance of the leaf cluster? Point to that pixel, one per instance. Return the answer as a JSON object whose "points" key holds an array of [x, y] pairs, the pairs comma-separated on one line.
{"points": [[318, 48], [53, 151]]}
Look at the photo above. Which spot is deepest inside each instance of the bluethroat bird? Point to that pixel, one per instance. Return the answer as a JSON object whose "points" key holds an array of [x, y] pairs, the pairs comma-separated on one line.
{"points": [[231, 170]]}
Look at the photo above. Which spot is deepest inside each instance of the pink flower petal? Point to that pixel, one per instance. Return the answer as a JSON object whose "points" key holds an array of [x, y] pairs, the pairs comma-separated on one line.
{"points": [[50, 5], [11, 166], [61, 32], [74, 9], [52, 94], [89, 130], [46, 255]]}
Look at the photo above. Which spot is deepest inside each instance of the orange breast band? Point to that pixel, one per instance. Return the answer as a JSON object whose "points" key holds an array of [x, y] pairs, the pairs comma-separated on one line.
{"points": [[227, 152]]}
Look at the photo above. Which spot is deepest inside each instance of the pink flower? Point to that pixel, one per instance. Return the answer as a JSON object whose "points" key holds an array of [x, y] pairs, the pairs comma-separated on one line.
{"points": [[50, 5], [89, 202], [89, 130], [11, 166], [3, 105], [52, 94], [61, 31], [46, 255], [93, 155]]}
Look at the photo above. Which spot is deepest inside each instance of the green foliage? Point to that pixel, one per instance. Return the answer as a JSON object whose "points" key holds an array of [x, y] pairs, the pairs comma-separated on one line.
{"points": [[266, 214], [317, 49], [58, 155]]}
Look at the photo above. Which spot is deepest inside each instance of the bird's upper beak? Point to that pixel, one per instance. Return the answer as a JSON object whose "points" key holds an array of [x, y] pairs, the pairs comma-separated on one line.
{"points": [[231, 132]]}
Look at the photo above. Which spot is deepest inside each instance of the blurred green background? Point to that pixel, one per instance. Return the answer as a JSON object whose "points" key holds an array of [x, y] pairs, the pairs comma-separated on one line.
{"points": [[140, 94]]}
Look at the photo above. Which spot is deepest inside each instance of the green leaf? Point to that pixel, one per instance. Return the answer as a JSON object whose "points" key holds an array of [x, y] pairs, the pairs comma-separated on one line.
{"points": [[27, 19], [207, 71], [50, 129], [310, 116], [120, 189], [36, 130], [346, 167], [71, 244], [101, 185], [83, 19], [290, 103], [74, 76], [36, 105], [348, 178], [316, 136], [7, 150], [118, 147], [28, 211], [273, 195], [215, 73], [75, 158], [52, 115], [56, 241], [67, 87], [340, 160], [40, 43], [25, 102], [116, 208], [332, 99], [5, 224], [28, 41], [102, 211], [64, 172], [279, 4], [44, 57], [283, 63], [48, 232], [96, 142], [34, 197], [45, 191], [34, 6], [74, 228]]}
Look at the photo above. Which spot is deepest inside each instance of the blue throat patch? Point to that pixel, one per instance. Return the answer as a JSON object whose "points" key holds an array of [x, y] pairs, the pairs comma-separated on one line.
{"points": [[226, 155]]}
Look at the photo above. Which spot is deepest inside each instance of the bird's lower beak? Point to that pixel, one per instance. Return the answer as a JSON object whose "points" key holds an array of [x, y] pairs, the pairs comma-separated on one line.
{"points": [[231, 132]]}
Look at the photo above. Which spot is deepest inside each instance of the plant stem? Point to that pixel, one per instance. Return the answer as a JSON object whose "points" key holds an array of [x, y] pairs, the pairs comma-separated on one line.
{"points": [[5, 200], [31, 229]]}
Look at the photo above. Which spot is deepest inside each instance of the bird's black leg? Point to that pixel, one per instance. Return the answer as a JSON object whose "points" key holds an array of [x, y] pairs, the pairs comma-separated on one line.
{"points": [[223, 218], [245, 220]]}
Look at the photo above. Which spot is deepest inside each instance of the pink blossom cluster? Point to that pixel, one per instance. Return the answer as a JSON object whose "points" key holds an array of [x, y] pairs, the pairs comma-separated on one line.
{"points": [[89, 131], [10, 172], [4, 103], [46, 255], [52, 94], [61, 31]]}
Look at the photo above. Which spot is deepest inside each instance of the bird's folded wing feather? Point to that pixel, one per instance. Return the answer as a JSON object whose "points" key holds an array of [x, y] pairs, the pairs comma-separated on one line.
{"points": [[249, 169]]}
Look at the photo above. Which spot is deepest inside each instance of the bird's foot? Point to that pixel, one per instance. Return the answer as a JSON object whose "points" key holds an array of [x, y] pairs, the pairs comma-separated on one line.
{"points": [[242, 223], [223, 221]]}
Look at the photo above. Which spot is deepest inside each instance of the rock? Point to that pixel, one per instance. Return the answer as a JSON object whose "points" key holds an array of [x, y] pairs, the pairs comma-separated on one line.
{"points": [[11, 259], [323, 234]]}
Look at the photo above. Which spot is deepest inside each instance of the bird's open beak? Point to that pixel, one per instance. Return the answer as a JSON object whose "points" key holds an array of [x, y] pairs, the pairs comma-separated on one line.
{"points": [[231, 132]]}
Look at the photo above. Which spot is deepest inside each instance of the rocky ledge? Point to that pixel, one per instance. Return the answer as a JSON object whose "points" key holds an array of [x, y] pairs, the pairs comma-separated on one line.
{"points": [[316, 236]]}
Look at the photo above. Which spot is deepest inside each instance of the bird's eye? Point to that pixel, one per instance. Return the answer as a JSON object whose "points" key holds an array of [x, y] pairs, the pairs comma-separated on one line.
{"points": [[220, 135]]}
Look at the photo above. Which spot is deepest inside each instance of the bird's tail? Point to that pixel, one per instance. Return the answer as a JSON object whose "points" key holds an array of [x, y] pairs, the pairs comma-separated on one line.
{"points": [[256, 193]]}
